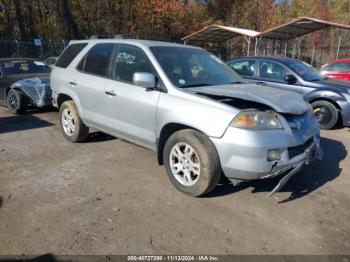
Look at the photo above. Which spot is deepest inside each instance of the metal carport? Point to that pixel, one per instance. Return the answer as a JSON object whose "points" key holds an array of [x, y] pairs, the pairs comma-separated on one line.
{"points": [[283, 33], [219, 34], [296, 29]]}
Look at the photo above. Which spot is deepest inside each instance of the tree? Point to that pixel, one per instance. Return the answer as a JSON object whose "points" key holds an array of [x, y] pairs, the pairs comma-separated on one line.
{"points": [[64, 14]]}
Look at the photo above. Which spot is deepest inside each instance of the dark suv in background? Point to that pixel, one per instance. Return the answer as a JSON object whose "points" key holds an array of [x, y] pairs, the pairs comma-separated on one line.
{"points": [[329, 98]]}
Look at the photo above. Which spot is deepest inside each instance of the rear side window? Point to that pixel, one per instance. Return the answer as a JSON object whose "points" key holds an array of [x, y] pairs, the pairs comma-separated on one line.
{"points": [[97, 60], [69, 54], [243, 67]]}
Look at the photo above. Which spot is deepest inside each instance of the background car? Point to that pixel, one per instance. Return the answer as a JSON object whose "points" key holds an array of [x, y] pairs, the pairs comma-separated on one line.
{"points": [[17, 93], [339, 69], [51, 61], [329, 98]]}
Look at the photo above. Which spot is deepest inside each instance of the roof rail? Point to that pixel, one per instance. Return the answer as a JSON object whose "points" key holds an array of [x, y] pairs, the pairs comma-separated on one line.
{"points": [[121, 36], [118, 36], [100, 37]]}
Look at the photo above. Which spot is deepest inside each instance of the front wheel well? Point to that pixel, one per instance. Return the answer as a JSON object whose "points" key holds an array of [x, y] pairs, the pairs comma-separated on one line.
{"points": [[166, 132], [340, 120], [9, 88], [62, 98], [325, 99]]}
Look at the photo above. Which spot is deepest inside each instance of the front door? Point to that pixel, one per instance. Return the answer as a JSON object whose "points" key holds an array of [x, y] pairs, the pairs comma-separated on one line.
{"points": [[272, 74], [131, 109]]}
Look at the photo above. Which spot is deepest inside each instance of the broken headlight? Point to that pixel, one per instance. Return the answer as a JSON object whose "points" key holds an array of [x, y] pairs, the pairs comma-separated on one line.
{"points": [[256, 120]]}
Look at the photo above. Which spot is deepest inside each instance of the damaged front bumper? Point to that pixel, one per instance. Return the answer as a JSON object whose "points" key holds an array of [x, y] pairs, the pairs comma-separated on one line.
{"points": [[244, 153]]}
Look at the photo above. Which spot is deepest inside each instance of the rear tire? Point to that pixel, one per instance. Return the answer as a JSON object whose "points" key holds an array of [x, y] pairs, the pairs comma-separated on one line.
{"points": [[192, 162], [73, 129], [15, 101], [326, 114]]}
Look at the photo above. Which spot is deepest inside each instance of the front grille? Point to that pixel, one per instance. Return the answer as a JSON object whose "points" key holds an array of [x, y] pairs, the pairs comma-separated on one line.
{"points": [[297, 150]]}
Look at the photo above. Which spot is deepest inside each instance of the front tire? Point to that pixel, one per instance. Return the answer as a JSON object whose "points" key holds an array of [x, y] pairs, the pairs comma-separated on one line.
{"points": [[326, 114], [192, 162], [73, 129], [15, 101]]}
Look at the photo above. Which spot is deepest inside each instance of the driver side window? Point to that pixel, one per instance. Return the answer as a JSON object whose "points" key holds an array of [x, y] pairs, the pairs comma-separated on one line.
{"points": [[272, 70], [129, 60]]}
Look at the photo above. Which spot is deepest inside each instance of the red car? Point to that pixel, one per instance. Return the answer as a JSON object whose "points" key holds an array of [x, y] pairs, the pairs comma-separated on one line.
{"points": [[339, 69]]}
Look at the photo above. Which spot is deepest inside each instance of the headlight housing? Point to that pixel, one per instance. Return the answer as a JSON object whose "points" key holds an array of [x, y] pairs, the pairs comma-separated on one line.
{"points": [[251, 119]]}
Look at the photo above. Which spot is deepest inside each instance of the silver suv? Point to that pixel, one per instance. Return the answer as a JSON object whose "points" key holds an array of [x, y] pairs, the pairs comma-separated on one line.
{"points": [[197, 114]]}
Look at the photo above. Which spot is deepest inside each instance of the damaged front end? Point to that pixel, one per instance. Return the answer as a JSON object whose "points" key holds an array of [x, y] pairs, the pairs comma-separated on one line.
{"points": [[268, 137], [37, 90]]}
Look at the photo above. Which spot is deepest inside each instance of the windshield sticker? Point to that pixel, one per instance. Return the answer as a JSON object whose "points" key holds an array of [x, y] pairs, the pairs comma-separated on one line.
{"points": [[182, 82], [39, 63], [8, 64], [24, 67], [125, 58]]}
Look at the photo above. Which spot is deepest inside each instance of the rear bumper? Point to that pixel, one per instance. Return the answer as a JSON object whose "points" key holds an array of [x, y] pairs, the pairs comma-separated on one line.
{"points": [[243, 153]]}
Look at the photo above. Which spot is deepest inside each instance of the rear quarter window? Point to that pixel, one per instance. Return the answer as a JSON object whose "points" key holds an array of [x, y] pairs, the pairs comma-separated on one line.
{"points": [[96, 61], [69, 54]]}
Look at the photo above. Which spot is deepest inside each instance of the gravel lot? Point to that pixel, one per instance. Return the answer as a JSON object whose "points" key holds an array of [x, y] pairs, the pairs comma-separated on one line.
{"points": [[107, 196]]}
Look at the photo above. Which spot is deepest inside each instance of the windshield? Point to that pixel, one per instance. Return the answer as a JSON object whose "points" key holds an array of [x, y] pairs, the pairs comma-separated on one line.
{"points": [[190, 67], [15, 67], [305, 71]]}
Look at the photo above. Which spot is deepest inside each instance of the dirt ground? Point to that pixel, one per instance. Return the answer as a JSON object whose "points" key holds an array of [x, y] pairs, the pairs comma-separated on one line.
{"points": [[107, 196]]}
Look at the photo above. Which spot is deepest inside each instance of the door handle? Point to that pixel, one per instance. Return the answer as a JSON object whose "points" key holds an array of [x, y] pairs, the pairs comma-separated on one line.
{"points": [[110, 93], [73, 84], [261, 83]]}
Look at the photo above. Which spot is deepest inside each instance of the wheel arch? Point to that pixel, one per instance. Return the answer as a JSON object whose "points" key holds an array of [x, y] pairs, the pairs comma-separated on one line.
{"points": [[61, 98], [165, 133], [325, 99], [9, 88], [337, 106]]}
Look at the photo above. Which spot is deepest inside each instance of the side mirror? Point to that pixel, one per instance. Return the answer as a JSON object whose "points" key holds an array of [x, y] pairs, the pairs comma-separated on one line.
{"points": [[146, 80], [290, 79]]}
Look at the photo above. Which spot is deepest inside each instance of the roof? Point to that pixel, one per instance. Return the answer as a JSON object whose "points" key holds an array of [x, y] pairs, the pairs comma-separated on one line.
{"points": [[148, 43], [276, 58], [219, 33], [299, 27]]}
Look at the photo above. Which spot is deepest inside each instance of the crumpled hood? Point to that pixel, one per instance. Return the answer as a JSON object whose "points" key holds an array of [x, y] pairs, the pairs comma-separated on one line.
{"points": [[280, 100]]}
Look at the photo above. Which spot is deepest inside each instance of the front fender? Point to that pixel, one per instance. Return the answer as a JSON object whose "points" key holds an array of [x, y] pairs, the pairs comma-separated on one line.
{"points": [[209, 117], [324, 94], [341, 101]]}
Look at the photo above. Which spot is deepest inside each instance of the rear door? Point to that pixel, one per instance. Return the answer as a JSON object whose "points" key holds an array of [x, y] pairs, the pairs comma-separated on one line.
{"points": [[131, 109], [89, 81]]}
